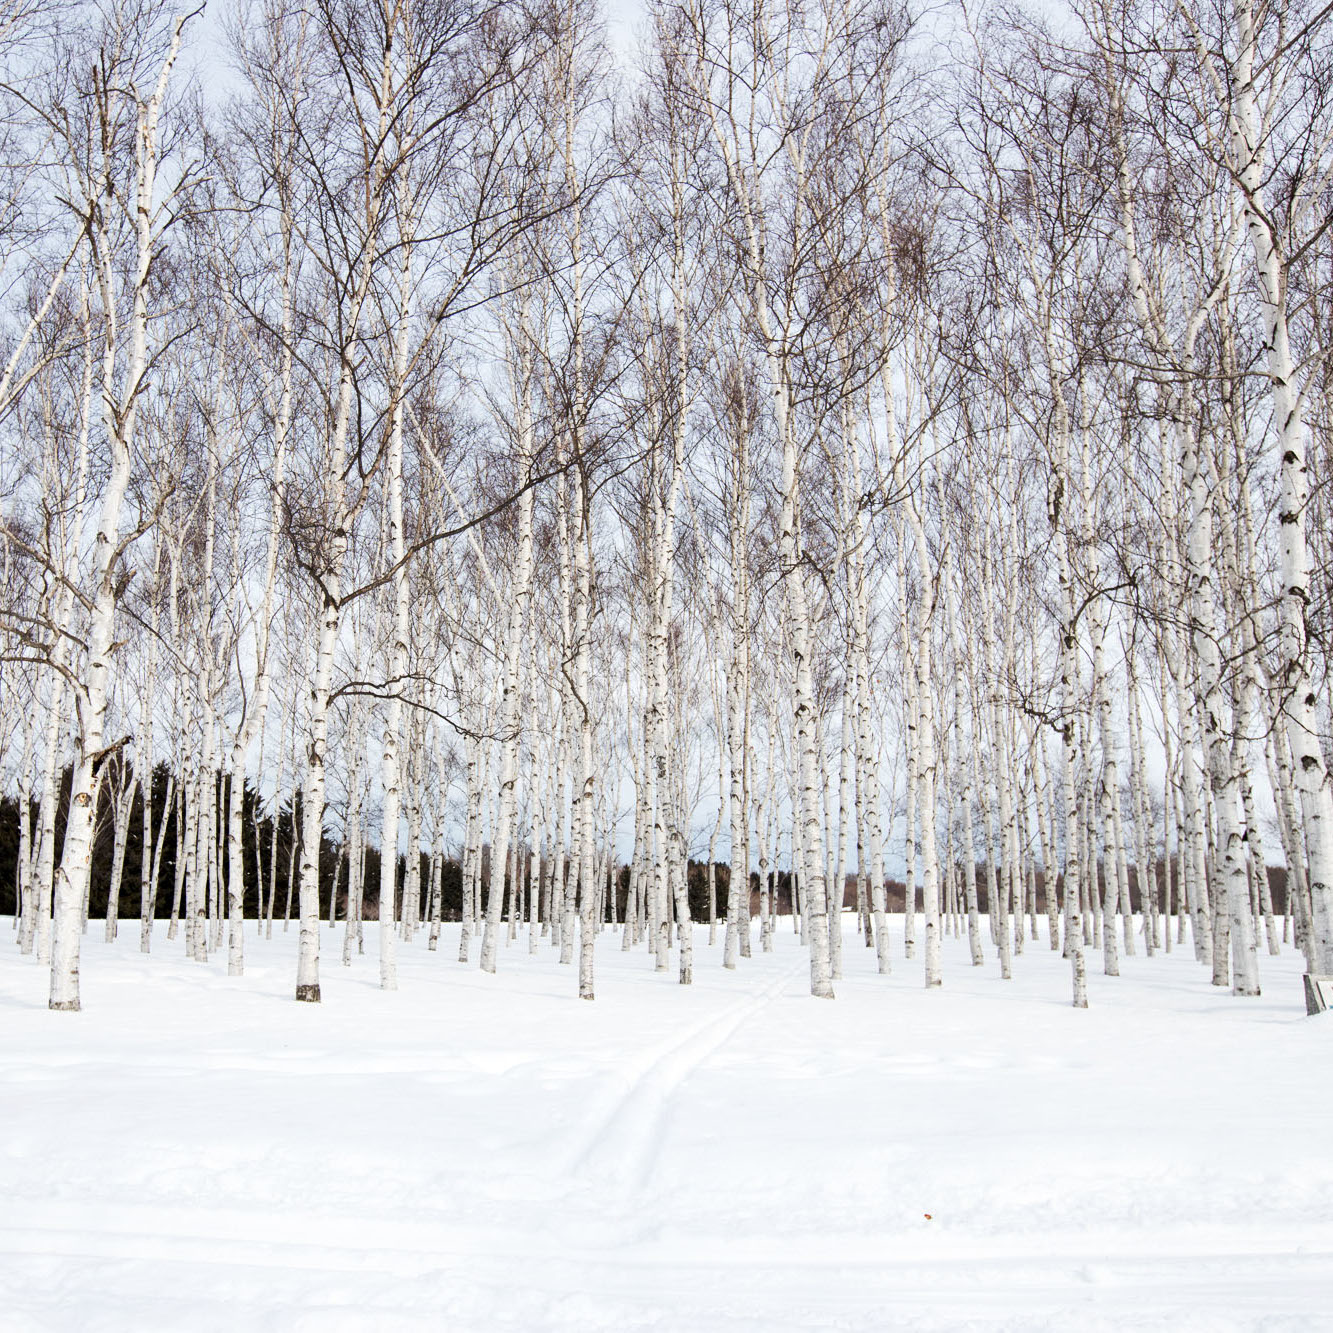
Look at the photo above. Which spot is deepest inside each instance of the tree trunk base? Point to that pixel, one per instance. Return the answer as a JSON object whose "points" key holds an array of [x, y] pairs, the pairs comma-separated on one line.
{"points": [[308, 993], [65, 1006]]}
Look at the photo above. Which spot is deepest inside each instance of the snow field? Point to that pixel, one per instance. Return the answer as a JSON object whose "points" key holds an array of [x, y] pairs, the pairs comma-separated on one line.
{"points": [[489, 1153]]}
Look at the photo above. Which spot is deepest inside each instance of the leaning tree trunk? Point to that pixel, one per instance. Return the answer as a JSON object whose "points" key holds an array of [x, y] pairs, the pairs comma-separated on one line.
{"points": [[120, 411]]}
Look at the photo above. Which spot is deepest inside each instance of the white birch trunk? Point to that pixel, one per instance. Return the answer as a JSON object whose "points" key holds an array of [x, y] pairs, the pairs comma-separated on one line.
{"points": [[964, 769], [26, 914], [911, 720], [121, 808], [865, 752], [1299, 701], [587, 833], [512, 694], [46, 824], [737, 937], [72, 878], [412, 879]]}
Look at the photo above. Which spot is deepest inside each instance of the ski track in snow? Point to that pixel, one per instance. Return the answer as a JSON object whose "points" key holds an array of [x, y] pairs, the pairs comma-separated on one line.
{"points": [[490, 1153], [625, 1137]]}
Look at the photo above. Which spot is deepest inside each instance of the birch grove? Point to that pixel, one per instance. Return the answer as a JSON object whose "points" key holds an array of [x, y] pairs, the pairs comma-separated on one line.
{"points": [[821, 469]]}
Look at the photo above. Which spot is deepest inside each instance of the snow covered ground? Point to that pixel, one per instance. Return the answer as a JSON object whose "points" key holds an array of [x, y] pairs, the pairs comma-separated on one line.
{"points": [[489, 1153]]}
